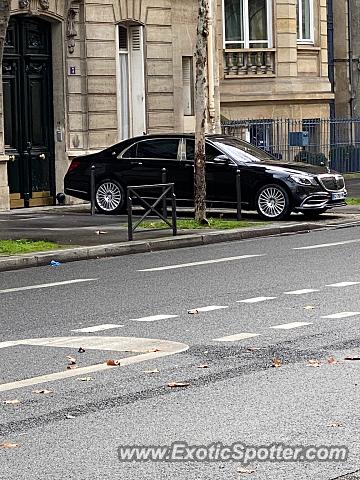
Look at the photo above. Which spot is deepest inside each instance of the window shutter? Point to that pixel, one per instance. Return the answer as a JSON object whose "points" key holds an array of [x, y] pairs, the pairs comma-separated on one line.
{"points": [[137, 80]]}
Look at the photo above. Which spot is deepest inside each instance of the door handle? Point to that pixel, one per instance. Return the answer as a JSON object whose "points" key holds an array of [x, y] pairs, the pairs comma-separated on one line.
{"points": [[12, 158], [188, 165], [135, 163], [42, 156]]}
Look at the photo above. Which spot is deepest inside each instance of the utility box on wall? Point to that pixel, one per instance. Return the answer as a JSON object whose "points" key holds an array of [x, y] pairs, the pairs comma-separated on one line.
{"points": [[298, 139]]}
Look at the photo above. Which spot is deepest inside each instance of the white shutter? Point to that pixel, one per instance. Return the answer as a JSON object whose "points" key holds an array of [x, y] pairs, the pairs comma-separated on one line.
{"points": [[137, 81], [187, 86]]}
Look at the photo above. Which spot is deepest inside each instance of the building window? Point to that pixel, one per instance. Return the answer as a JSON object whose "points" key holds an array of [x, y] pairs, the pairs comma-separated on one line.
{"points": [[305, 21], [188, 86], [247, 23], [131, 81]]}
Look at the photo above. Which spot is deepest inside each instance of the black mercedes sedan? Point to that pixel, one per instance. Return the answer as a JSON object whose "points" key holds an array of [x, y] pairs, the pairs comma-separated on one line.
{"points": [[271, 187]]}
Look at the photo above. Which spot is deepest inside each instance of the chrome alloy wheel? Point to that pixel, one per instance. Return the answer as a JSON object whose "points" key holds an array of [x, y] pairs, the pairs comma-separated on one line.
{"points": [[108, 196], [271, 202]]}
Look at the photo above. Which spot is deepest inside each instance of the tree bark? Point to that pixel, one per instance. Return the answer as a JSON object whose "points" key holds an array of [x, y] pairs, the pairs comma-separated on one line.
{"points": [[201, 113]]}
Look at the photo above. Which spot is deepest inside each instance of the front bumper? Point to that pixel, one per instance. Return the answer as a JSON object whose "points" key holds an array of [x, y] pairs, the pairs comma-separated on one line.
{"points": [[320, 200]]}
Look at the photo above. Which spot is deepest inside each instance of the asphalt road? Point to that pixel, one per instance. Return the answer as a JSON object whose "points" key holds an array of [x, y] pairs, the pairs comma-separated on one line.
{"points": [[292, 298]]}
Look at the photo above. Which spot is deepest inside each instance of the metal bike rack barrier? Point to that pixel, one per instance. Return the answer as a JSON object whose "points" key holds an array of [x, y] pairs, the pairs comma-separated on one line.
{"points": [[132, 194]]}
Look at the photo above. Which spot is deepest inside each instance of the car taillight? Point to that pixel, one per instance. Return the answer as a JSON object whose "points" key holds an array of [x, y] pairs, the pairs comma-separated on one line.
{"points": [[74, 165]]}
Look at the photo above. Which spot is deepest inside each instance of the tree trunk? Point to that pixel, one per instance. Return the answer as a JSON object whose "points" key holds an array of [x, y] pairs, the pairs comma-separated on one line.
{"points": [[201, 113], [4, 20]]}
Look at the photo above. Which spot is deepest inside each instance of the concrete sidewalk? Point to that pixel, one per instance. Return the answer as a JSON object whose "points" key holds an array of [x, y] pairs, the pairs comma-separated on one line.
{"points": [[88, 237]]}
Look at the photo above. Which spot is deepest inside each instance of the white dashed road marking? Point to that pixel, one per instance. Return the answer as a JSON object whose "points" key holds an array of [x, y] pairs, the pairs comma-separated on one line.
{"points": [[205, 262], [48, 285], [289, 326], [153, 318], [210, 308], [143, 348], [325, 245], [343, 284], [237, 337], [255, 299], [342, 315], [97, 328], [301, 292]]}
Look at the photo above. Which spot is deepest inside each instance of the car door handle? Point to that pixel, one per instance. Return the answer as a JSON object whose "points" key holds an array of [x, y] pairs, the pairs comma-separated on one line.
{"points": [[136, 163], [188, 165]]}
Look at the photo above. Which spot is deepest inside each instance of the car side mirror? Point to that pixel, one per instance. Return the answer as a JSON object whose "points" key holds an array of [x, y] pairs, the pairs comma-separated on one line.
{"points": [[221, 159]]}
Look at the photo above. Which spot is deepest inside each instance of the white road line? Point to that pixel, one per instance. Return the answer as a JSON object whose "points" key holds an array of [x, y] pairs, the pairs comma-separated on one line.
{"points": [[325, 245], [343, 284], [289, 326], [342, 315], [236, 337], [145, 348], [255, 299], [210, 308], [301, 292], [48, 285], [98, 328], [153, 318], [205, 262]]}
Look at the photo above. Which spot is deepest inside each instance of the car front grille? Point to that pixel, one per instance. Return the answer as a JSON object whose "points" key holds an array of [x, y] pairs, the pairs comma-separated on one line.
{"points": [[332, 183]]}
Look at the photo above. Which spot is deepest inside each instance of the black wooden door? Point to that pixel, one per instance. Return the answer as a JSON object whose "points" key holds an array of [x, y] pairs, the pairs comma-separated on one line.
{"points": [[28, 111]]}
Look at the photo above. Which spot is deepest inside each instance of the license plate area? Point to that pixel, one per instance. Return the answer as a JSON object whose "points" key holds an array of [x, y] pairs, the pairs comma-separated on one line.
{"points": [[338, 195]]}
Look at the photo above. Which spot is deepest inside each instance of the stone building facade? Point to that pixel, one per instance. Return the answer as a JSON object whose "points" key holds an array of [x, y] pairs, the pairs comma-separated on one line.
{"points": [[79, 75]]}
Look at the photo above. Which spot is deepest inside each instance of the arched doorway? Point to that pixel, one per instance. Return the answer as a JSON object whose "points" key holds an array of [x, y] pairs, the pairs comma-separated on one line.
{"points": [[28, 112]]}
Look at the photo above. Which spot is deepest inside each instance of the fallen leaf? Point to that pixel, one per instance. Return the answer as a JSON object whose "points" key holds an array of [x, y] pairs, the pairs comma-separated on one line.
{"points": [[352, 358], [70, 417], [332, 361], [81, 350], [155, 350], [309, 307], [113, 363], [72, 366], [335, 424], [203, 366], [12, 402], [178, 384], [71, 359], [152, 371], [43, 392], [193, 311], [85, 379], [206, 352], [276, 363], [252, 349], [313, 363], [245, 470], [9, 445], [100, 232]]}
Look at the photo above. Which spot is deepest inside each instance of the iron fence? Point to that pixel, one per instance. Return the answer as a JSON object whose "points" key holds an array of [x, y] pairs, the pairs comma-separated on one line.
{"points": [[334, 142]]}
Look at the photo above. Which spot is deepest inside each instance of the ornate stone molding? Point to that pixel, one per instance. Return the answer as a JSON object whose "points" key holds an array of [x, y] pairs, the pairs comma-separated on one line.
{"points": [[24, 4], [44, 4], [71, 31]]}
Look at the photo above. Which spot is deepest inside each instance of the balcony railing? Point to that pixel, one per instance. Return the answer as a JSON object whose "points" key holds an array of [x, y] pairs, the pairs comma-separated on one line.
{"points": [[249, 62]]}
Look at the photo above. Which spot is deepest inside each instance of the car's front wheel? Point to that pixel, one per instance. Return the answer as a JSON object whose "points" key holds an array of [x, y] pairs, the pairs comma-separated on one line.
{"points": [[109, 196], [273, 203]]}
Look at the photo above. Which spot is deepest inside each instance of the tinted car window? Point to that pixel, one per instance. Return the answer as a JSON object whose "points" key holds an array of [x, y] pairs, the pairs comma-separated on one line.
{"points": [[131, 152], [242, 151], [210, 151], [158, 149]]}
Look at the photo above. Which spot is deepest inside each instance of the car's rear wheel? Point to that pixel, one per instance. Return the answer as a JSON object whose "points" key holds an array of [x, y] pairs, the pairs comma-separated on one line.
{"points": [[109, 196], [273, 203], [314, 213]]}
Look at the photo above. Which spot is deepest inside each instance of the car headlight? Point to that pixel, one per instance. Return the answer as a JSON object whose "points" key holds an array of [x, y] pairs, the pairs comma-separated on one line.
{"points": [[304, 179]]}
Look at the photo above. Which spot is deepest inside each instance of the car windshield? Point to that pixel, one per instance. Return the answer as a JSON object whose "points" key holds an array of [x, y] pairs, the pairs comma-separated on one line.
{"points": [[241, 151]]}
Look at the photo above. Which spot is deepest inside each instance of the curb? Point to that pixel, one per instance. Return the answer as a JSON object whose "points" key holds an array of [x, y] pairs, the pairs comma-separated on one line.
{"points": [[130, 248]]}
